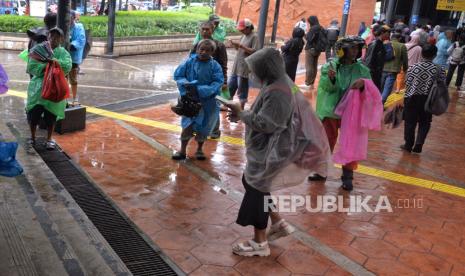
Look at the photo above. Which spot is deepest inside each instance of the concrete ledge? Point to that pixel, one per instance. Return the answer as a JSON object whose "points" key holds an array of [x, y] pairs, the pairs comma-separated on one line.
{"points": [[122, 47]]}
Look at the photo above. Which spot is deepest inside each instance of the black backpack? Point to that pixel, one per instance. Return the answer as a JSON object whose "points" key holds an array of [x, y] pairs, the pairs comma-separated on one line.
{"points": [[88, 45], [322, 41]]}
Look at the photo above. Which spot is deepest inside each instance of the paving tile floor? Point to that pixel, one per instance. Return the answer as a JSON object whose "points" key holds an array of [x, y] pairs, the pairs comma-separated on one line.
{"points": [[194, 223]]}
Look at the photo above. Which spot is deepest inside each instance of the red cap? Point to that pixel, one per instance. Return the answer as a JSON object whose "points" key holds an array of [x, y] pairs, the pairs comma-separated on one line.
{"points": [[244, 23]]}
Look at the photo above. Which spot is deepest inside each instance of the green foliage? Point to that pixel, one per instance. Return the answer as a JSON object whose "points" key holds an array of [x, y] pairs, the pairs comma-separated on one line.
{"points": [[129, 23]]}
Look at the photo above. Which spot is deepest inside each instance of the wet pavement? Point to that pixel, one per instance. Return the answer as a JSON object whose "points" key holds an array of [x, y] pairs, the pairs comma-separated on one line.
{"points": [[189, 208]]}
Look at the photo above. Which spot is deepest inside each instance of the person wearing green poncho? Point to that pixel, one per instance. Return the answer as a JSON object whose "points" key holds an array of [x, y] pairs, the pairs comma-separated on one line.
{"points": [[337, 76], [36, 106], [219, 33]]}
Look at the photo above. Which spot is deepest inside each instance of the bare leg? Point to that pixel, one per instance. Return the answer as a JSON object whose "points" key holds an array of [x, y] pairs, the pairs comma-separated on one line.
{"points": [[50, 132], [260, 235], [74, 91], [275, 217], [184, 146], [33, 128]]}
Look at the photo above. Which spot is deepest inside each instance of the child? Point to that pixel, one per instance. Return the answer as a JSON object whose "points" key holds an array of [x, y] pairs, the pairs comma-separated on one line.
{"points": [[37, 107], [200, 74]]}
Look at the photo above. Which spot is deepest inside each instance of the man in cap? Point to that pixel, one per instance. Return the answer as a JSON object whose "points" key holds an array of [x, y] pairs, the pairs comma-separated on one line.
{"points": [[219, 33], [379, 51], [337, 76], [248, 44]]}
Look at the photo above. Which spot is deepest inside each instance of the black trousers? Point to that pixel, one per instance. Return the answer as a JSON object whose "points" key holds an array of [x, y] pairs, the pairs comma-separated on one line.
{"points": [[415, 114], [460, 73], [252, 211], [291, 66]]}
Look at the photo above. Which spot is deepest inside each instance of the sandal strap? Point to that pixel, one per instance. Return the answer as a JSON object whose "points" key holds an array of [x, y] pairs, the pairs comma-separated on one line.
{"points": [[253, 246]]}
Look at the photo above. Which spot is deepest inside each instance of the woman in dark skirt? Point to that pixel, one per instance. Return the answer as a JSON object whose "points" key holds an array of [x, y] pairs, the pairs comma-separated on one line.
{"points": [[291, 52], [284, 141]]}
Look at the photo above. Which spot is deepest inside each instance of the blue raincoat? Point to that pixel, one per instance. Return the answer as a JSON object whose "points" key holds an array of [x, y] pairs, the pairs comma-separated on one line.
{"points": [[78, 40], [207, 76], [442, 56]]}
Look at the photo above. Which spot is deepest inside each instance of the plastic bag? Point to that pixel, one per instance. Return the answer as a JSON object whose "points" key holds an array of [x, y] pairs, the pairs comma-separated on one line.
{"points": [[394, 117], [3, 81], [24, 55], [55, 86], [225, 94], [9, 166]]}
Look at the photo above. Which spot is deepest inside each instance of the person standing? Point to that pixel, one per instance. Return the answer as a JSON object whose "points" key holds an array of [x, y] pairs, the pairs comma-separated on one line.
{"points": [[456, 59], [200, 77], [221, 56], [333, 35], [377, 55], [420, 80], [36, 106], [291, 52], [76, 47], [313, 49], [337, 76], [393, 67], [443, 44], [249, 43], [413, 50], [219, 33]]}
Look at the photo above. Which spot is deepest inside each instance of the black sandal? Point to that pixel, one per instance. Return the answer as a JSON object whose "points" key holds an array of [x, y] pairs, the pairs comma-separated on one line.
{"points": [[179, 156]]}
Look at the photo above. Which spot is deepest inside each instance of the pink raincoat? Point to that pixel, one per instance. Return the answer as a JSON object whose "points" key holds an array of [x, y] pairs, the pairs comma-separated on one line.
{"points": [[359, 112]]}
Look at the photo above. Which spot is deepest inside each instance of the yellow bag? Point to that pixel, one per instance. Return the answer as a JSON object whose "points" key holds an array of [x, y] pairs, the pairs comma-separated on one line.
{"points": [[394, 99]]}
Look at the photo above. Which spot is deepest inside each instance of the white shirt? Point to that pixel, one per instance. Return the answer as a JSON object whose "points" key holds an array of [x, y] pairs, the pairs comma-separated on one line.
{"points": [[301, 25]]}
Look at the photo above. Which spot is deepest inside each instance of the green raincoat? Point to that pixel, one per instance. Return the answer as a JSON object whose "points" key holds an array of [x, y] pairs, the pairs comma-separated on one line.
{"points": [[330, 94], [34, 89]]}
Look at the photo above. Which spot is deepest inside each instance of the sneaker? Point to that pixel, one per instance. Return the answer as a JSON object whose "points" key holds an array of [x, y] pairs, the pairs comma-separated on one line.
{"points": [[405, 148], [29, 146], [50, 145], [251, 248], [279, 230], [417, 148], [179, 156], [200, 156]]}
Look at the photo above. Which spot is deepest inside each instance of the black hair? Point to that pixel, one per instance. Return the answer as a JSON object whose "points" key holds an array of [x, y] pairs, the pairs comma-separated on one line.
{"points": [[429, 51], [50, 20], [207, 23], [209, 43], [396, 36]]}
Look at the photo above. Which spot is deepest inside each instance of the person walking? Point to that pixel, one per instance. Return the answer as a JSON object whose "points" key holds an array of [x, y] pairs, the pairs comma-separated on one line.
{"points": [[377, 54], [76, 48], [315, 46], [456, 60], [199, 77], [284, 142], [443, 44], [337, 77], [291, 52], [221, 56], [393, 67], [333, 35], [420, 80], [239, 80], [36, 106]]}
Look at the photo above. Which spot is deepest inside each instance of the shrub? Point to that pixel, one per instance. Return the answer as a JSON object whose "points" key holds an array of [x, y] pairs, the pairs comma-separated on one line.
{"points": [[128, 24]]}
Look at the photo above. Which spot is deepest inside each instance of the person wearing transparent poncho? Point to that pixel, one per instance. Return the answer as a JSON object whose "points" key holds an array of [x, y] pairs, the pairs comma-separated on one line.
{"points": [[285, 141]]}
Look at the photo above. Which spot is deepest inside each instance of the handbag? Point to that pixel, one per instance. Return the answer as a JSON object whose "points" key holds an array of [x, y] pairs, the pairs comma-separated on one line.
{"points": [[394, 117], [188, 105], [438, 97], [55, 87]]}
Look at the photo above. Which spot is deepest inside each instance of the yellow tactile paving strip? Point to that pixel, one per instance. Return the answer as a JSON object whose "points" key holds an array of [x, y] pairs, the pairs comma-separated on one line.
{"points": [[428, 184]]}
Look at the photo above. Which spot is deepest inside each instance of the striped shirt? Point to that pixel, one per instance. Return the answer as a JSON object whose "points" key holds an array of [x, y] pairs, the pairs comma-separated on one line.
{"points": [[421, 76]]}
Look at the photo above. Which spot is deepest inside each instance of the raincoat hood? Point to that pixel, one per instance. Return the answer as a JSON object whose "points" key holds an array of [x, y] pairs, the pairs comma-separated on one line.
{"points": [[414, 40], [267, 64], [313, 20], [298, 33]]}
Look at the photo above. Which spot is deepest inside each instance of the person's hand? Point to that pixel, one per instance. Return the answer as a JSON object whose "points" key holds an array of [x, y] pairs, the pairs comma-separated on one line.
{"points": [[358, 84], [233, 118], [235, 108], [332, 74]]}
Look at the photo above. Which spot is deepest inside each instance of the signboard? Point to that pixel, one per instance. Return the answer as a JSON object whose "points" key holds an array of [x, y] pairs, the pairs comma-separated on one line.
{"points": [[451, 5], [38, 8], [346, 7]]}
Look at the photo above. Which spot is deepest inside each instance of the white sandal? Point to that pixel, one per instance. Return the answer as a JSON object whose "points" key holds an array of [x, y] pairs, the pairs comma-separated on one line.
{"points": [[252, 249], [280, 229]]}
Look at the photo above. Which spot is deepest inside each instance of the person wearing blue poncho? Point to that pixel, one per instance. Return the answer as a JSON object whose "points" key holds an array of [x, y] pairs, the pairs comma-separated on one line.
{"points": [[202, 75], [443, 44]]}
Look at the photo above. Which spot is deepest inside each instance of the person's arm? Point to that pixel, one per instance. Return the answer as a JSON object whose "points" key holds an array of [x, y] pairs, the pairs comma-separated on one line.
{"points": [[223, 61], [180, 76], [253, 48], [310, 35], [35, 68], [285, 48], [79, 40], [64, 59], [404, 57], [272, 116], [328, 83], [213, 88]]}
